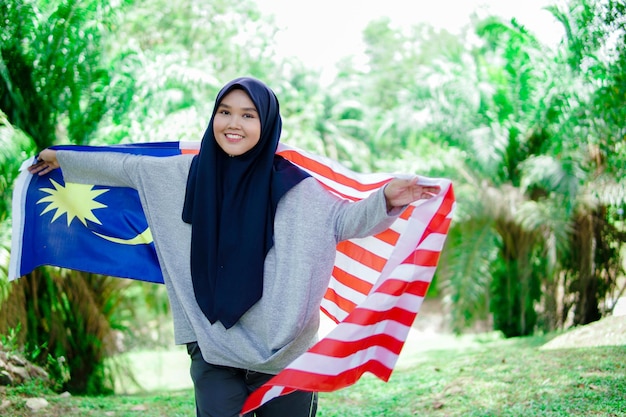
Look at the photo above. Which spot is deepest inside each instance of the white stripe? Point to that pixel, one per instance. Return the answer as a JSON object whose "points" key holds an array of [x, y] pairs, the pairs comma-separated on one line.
{"points": [[399, 226], [192, 145], [273, 392], [20, 191], [342, 189], [405, 272], [333, 310], [433, 242], [330, 366], [358, 269], [376, 302], [374, 245], [335, 184], [364, 178], [412, 273], [346, 291], [383, 302], [408, 241], [351, 332]]}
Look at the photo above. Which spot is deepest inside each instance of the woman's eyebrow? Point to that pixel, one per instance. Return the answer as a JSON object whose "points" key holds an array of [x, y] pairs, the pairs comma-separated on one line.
{"points": [[244, 108]]}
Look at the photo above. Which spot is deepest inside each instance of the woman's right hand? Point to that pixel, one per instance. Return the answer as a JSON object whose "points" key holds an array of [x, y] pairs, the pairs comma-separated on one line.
{"points": [[46, 162]]}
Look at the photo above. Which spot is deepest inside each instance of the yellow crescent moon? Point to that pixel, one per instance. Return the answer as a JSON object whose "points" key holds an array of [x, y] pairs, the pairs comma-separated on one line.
{"points": [[143, 238]]}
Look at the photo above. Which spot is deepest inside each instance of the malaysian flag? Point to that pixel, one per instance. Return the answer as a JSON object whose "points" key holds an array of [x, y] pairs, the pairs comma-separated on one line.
{"points": [[375, 292]]}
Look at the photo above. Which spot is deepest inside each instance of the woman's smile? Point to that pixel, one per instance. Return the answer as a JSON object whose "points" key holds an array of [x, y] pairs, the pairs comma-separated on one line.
{"points": [[236, 125]]}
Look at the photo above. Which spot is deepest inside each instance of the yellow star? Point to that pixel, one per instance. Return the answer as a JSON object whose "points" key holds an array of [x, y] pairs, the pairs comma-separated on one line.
{"points": [[74, 200]]}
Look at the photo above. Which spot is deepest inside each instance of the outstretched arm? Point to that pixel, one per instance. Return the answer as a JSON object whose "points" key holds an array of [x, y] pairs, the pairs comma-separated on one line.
{"points": [[400, 192], [115, 169]]}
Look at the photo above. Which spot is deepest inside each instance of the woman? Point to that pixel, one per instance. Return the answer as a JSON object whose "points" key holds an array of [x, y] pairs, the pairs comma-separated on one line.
{"points": [[246, 243]]}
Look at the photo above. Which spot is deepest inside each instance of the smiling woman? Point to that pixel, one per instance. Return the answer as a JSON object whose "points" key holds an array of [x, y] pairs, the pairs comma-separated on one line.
{"points": [[236, 126], [246, 242]]}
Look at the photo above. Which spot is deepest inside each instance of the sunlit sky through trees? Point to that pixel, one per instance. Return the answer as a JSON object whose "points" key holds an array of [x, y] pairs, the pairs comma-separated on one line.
{"points": [[323, 31]]}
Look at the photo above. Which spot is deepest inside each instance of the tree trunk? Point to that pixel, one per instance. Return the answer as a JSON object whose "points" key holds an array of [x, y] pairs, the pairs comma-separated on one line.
{"points": [[586, 308]]}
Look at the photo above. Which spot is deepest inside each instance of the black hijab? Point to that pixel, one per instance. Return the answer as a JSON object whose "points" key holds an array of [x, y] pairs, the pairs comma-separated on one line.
{"points": [[230, 203]]}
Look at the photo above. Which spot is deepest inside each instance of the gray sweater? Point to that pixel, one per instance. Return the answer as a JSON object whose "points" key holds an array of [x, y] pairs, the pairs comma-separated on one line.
{"points": [[309, 222]]}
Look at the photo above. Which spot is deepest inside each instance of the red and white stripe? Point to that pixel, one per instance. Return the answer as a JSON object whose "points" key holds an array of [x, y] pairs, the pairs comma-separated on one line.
{"points": [[376, 290]]}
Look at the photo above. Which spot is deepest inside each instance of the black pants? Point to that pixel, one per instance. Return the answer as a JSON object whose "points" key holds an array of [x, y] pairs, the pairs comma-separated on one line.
{"points": [[221, 391]]}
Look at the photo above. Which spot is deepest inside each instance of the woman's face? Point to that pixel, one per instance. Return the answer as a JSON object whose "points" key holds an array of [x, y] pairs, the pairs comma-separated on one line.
{"points": [[236, 124]]}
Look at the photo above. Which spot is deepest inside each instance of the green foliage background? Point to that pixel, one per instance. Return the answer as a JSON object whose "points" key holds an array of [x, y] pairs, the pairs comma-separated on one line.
{"points": [[532, 136]]}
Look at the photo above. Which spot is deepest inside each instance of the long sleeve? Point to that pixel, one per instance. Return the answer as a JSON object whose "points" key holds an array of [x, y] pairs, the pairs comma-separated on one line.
{"points": [[102, 168], [366, 217]]}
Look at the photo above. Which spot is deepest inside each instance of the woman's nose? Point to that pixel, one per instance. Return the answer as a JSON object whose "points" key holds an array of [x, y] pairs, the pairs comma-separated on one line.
{"points": [[234, 122]]}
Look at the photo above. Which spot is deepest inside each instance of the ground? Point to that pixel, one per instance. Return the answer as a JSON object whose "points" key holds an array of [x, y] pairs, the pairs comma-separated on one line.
{"points": [[610, 331]]}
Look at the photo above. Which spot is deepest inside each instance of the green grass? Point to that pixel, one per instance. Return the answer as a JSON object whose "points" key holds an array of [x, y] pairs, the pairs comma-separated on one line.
{"points": [[511, 378], [492, 378]]}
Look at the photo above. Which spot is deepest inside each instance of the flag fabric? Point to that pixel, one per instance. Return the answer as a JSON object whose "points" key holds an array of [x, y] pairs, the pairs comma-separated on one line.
{"points": [[376, 289], [55, 223]]}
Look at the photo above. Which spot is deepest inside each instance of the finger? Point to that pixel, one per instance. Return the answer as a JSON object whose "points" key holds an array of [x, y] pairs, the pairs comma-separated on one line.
{"points": [[34, 168], [40, 169], [37, 167], [432, 189]]}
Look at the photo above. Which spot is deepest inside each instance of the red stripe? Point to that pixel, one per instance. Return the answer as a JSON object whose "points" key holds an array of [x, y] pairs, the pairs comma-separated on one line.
{"points": [[325, 383], [352, 281], [307, 381], [343, 349], [440, 222], [362, 255], [329, 315], [407, 213], [342, 195], [443, 226], [389, 236], [341, 302], [367, 317], [327, 172], [421, 257], [397, 287], [255, 400]]}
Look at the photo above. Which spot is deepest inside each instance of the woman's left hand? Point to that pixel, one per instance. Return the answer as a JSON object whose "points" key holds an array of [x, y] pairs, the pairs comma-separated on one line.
{"points": [[400, 192]]}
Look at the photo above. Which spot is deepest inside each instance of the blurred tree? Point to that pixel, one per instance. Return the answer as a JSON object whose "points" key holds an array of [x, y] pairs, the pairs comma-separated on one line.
{"points": [[594, 50], [55, 88], [172, 57], [529, 176], [52, 85]]}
